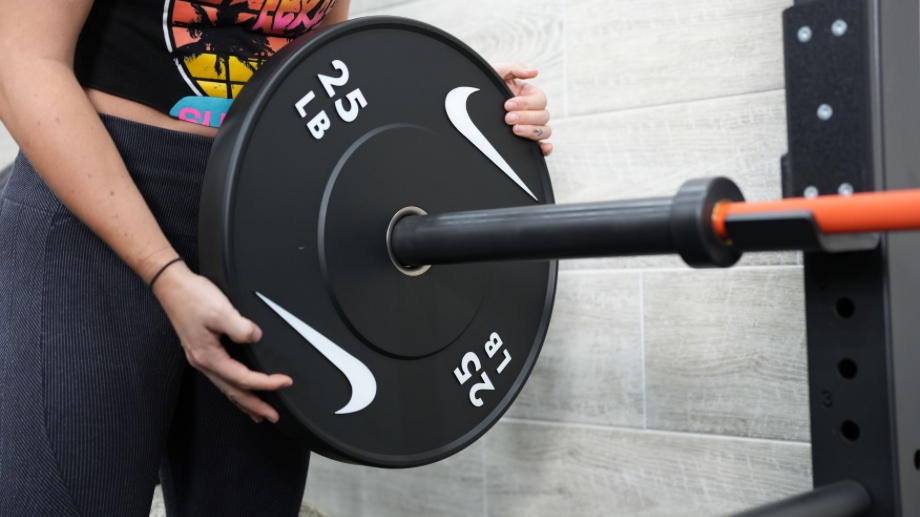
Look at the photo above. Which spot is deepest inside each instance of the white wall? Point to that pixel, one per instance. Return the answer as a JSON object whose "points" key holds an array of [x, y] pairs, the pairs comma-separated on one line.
{"points": [[8, 147], [661, 391]]}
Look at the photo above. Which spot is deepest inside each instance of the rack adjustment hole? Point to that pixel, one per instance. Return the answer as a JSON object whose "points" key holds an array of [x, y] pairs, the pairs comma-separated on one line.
{"points": [[845, 308], [850, 431], [847, 368]]}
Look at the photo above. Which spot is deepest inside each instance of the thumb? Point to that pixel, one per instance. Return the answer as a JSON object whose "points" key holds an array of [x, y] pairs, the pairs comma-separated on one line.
{"points": [[509, 71], [242, 330]]}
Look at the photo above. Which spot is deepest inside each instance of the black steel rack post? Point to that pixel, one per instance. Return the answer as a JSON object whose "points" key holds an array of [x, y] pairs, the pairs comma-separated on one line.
{"points": [[853, 108]]}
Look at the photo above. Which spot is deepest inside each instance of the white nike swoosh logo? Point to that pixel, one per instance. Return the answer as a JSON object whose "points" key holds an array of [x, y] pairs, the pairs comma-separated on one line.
{"points": [[362, 381], [460, 118]]}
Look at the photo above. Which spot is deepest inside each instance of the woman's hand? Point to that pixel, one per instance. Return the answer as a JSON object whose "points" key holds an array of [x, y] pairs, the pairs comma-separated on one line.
{"points": [[527, 112], [201, 314]]}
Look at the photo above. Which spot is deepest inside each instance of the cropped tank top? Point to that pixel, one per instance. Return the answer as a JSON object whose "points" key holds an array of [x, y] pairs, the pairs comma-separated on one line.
{"points": [[187, 58]]}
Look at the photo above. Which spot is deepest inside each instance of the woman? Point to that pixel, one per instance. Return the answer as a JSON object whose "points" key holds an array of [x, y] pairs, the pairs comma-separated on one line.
{"points": [[96, 396]]}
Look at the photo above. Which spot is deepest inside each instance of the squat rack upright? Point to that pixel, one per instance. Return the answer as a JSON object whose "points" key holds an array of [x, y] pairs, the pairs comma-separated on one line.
{"points": [[852, 92]]}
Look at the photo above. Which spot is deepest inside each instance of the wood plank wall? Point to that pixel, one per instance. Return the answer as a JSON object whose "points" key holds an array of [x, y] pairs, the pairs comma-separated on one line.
{"points": [[8, 147], [661, 390]]}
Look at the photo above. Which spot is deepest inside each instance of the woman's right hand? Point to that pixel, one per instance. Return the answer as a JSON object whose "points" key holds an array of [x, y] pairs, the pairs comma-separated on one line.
{"points": [[59, 129], [201, 314]]}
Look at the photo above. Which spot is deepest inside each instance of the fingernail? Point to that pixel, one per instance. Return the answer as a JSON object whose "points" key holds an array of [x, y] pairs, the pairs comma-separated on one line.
{"points": [[273, 419], [255, 419], [257, 334], [511, 106], [513, 118], [519, 130]]}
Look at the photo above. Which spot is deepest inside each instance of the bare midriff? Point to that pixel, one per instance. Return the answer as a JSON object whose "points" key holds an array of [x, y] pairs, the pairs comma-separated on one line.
{"points": [[123, 108]]}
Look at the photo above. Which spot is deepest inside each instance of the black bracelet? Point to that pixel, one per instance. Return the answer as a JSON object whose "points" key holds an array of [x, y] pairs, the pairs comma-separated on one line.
{"points": [[160, 272]]}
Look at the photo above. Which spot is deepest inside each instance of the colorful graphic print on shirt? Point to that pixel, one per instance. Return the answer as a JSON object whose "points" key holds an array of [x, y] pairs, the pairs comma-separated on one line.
{"points": [[219, 44]]}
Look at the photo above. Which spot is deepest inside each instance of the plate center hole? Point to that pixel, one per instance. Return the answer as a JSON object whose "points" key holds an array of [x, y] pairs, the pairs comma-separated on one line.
{"points": [[406, 270]]}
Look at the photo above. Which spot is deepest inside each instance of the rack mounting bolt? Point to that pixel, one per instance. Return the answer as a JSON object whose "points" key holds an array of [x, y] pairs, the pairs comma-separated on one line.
{"points": [[839, 28], [845, 189], [825, 112], [811, 192], [805, 34]]}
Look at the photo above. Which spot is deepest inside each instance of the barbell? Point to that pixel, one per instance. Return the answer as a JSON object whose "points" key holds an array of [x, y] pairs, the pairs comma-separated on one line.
{"points": [[366, 205]]}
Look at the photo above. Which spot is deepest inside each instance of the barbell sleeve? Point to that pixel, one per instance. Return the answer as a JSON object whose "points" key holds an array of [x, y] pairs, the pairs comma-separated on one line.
{"points": [[654, 226], [634, 227]]}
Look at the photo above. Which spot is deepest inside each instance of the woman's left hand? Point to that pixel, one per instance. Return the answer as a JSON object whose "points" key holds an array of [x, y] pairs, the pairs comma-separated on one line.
{"points": [[527, 114]]}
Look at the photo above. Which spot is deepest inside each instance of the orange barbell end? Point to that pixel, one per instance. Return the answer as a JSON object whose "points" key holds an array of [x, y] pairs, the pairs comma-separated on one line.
{"points": [[857, 213]]}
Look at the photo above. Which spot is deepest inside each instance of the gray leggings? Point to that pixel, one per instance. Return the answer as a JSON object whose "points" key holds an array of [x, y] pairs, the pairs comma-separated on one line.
{"points": [[96, 397]]}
